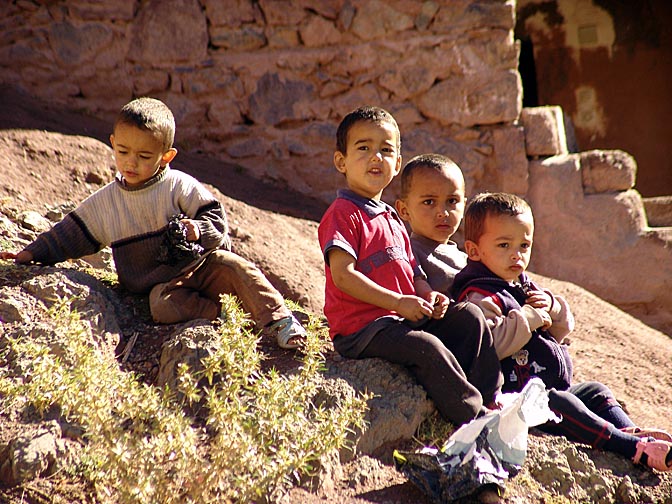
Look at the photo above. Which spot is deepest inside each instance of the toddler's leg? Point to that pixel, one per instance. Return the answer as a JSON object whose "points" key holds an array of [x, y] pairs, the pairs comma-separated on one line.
{"points": [[580, 424], [227, 273], [600, 400], [433, 365], [464, 331]]}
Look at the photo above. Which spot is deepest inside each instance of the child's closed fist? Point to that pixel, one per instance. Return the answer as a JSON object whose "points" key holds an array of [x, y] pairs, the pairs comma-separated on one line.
{"points": [[413, 308], [439, 303]]}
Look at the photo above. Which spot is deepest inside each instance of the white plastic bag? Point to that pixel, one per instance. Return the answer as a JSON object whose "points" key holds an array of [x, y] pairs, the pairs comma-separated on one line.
{"points": [[487, 450]]}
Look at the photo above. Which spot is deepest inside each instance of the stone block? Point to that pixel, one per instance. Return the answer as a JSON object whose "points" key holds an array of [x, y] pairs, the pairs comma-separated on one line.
{"points": [[162, 39], [510, 162], [274, 100], [279, 37], [231, 13], [544, 131], [280, 12], [470, 15], [75, 45], [245, 38], [318, 31], [658, 211], [96, 10], [426, 14], [150, 81], [605, 171], [482, 98], [376, 19]]}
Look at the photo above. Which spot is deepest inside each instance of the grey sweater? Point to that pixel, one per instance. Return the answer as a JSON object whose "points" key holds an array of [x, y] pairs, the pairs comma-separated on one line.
{"points": [[440, 261], [132, 220]]}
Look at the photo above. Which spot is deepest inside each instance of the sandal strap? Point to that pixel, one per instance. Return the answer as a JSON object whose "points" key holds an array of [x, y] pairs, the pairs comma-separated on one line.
{"points": [[647, 433]]}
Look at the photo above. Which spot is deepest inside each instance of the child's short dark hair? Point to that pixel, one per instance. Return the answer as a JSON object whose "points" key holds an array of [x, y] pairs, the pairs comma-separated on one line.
{"points": [[436, 162], [490, 204], [366, 113], [151, 115]]}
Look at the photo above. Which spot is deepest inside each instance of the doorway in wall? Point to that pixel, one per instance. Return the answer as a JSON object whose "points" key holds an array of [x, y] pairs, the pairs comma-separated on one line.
{"points": [[528, 73]]}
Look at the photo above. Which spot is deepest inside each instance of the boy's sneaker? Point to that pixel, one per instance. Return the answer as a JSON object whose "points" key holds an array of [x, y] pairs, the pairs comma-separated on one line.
{"points": [[288, 331], [655, 453]]}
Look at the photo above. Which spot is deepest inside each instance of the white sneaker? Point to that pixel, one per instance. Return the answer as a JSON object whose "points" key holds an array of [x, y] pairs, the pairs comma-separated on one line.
{"points": [[285, 330]]}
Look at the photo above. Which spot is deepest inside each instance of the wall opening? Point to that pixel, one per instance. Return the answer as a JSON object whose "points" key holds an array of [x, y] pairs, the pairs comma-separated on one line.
{"points": [[528, 73]]}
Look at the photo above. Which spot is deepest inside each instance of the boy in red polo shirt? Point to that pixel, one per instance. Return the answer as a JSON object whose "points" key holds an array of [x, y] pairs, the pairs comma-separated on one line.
{"points": [[377, 300]]}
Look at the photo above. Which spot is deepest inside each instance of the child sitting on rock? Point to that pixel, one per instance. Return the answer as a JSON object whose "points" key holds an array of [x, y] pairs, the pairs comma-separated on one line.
{"points": [[168, 234]]}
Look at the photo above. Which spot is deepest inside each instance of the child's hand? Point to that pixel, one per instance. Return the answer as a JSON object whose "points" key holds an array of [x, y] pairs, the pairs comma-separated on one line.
{"points": [[414, 308], [539, 299], [546, 319], [22, 257], [439, 303], [193, 231]]}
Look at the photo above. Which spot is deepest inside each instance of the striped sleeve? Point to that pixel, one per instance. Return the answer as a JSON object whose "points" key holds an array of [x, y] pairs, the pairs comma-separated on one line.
{"points": [[69, 239]]}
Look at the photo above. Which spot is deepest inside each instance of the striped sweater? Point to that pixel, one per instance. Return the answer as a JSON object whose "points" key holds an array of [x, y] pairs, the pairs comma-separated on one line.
{"points": [[132, 220]]}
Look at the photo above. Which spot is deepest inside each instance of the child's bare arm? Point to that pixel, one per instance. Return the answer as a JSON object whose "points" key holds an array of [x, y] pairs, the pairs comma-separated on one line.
{"points": [[357, 285]]}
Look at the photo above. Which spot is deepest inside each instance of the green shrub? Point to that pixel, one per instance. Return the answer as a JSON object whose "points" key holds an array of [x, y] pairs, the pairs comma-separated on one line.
{"points": [[261, 431]]}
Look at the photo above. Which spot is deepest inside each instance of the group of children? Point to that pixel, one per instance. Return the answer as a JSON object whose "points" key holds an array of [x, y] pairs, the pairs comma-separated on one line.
{"points": [[468, 325], [398, 297]]}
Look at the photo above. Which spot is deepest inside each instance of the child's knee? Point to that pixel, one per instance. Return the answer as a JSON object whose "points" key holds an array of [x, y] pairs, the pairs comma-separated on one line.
{"points": [[162, 307]]}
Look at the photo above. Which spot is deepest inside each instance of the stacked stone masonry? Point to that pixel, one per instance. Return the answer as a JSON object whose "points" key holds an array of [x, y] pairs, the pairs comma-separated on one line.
{"points": [[263, 84]]}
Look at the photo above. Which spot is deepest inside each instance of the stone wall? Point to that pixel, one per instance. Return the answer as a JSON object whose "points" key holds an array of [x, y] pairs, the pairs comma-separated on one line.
{"points": [[264, 83]]}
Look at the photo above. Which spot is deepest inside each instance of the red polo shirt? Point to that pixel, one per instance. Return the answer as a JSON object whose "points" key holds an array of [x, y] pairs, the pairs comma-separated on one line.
{"points": [[372, 232]]}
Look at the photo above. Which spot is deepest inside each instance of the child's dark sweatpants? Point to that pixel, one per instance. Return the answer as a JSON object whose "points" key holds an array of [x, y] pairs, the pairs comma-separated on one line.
{"points": [[453, 358], [590, 415]]}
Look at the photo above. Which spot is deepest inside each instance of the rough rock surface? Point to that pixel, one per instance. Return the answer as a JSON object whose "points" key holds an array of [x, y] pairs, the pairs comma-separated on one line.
{"points": [[608, 345]]}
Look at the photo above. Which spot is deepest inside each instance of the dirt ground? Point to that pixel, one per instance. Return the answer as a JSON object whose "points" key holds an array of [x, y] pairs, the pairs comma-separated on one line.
{"points": [[608, 345]]}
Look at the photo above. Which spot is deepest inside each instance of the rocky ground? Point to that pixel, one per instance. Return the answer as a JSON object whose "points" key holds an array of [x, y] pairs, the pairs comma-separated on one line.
{"points": [[277, 229]]}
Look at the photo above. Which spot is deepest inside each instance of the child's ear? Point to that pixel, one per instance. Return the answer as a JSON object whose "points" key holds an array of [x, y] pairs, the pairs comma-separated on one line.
{"points": [[339, 161], [471, 249], [402, 209], [397, 170], [112, 140], [168, 156]]}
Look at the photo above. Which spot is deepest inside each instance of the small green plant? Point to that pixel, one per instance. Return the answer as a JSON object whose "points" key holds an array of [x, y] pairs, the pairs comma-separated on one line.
{"points": [[107, 277], [433, 431], [260, 434]]}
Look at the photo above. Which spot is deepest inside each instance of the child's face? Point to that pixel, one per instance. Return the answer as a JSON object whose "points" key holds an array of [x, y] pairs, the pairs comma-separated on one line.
{"points": [[372, 159], [138, 154], [434, 205], [505, 246]]}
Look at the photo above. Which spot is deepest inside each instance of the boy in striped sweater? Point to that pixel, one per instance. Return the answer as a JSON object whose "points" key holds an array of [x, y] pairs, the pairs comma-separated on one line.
{"points": [[134, 215]]}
